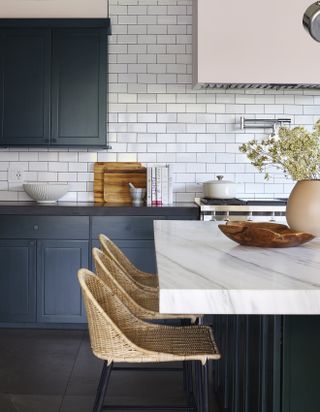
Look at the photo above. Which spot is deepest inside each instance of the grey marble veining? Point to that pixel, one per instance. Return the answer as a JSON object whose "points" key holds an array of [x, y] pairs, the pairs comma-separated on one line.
{"points": [[202, 271]]}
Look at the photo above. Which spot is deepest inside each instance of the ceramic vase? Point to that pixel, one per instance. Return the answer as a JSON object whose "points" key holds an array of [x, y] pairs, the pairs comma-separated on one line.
{"points": [[303, 208]]}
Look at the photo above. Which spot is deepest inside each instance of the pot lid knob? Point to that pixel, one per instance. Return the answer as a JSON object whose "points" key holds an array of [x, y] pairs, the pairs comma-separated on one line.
{"points": [[219, 177]]}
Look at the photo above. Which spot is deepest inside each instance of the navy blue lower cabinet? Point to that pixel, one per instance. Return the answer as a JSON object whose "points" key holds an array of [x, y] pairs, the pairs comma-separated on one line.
{"points": [[17, 280], [140, 252], [58, 294]]}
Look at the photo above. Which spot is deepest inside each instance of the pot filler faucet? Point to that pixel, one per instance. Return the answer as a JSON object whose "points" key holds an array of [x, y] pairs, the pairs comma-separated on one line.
{"points": [[263, 123]]}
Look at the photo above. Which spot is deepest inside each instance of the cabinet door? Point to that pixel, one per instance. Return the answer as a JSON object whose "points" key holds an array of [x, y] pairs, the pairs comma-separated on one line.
{"points": [[24, 86], [79, 87], [17, 281], [59, 296]]}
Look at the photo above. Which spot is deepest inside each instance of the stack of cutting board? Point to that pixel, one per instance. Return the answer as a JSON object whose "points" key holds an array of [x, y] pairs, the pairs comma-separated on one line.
{"points": [[111, 181]]}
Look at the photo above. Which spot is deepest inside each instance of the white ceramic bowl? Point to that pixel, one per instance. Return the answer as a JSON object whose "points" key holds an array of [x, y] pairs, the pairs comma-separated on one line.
{"points": [[45, 192]]}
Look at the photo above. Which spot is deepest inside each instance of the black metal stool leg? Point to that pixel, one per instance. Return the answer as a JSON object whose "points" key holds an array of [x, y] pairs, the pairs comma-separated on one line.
{"points": [[205, 387], [102, 387]]}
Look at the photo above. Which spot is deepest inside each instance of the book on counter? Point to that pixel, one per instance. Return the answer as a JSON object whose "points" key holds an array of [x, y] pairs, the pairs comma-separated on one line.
{"points": [[159, 185]]}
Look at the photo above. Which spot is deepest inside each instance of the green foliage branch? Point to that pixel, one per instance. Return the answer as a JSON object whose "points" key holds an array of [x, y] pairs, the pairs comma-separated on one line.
{"points": [[295, 151]]}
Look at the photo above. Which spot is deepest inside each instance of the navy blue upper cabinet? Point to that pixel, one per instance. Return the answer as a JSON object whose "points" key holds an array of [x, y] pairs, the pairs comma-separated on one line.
{"points": [[25, 86], [78, 87], [53, 79]]}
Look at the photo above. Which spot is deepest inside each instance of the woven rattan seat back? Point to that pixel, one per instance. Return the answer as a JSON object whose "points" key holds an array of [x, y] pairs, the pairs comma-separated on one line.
{"points": [[108, 320], [111, 249], [143, 303]]}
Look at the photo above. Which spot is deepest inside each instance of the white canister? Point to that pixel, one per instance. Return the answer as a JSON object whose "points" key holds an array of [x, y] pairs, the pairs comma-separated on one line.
{"points": [[219, 189]]}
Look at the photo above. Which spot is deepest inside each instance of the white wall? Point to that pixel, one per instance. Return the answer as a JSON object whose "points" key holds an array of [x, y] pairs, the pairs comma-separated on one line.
{"points": [[53, 8], [155, 116]]}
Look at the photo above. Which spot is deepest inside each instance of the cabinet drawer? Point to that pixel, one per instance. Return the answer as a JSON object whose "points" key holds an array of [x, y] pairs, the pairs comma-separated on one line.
{"points": [[124, 227], [44, 227]]}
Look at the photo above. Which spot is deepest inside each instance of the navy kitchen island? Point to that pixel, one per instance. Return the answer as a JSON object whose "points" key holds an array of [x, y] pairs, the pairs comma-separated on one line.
{"points": [[264, 305]]}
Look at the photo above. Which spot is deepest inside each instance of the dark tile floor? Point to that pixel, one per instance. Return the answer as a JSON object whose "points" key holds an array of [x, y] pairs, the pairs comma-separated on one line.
{"points": [[55, 371]]}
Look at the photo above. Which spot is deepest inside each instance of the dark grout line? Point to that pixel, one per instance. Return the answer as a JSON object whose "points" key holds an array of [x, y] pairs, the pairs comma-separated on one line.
{"points": [[72, 369]]}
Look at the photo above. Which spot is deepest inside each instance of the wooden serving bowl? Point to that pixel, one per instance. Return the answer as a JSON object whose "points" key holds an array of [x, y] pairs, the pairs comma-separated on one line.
{"points": [[264, 234]]}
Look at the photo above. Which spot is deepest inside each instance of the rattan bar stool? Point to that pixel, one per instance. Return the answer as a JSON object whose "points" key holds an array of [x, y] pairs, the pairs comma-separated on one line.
{"points": [[117, 335], [143, 303], [141, 300], [115, 253]]}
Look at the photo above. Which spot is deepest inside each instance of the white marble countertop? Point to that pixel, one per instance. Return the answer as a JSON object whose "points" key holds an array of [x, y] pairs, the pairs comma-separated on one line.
{"points": [[202, 271]]}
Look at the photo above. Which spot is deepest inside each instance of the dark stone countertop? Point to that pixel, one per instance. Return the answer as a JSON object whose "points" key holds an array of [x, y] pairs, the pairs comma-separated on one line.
{"points": [[95, 209]]}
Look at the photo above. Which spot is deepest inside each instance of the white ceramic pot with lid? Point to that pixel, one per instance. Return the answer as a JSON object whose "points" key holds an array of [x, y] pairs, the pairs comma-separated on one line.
{"points": [[219, 189]]}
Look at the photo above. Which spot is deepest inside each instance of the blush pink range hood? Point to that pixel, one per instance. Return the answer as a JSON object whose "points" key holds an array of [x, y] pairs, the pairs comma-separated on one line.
{"points": [[253, 44]]}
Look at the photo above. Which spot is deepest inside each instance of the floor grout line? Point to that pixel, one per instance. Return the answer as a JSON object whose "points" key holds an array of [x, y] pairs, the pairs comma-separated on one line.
{"points": [[71, 372]]}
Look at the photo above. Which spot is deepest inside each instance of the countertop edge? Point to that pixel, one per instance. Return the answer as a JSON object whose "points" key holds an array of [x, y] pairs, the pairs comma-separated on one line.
{"points": [[95, 209]]}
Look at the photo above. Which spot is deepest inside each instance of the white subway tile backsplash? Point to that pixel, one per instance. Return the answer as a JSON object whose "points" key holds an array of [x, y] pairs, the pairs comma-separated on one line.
{"points": [[159, 108], [147, 138], [147, 157], [105, 157], [6, 156], [311, 109], [69, 177], [68, 157], [88, 157], [166, 98], [48, 177], [48, 156], [4, 175], [38, 166], [166, 157], [127, 157], [4, 166], [30, 176], [196, 108], [176, 128], [19, 165], [196, 128], [167, 117], [147, 117], [196, 147], [30, 156], [58, 166], [78, 167], [156, 116], [186, 157]]}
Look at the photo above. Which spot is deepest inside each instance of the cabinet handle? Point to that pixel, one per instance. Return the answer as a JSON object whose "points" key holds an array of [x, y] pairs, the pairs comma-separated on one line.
{"points": [[35, 227], [32, 243]]}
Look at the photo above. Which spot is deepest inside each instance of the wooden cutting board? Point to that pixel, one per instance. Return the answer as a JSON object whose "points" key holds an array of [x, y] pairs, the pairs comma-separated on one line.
{"points": [[116, 184], [100, 168]]}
